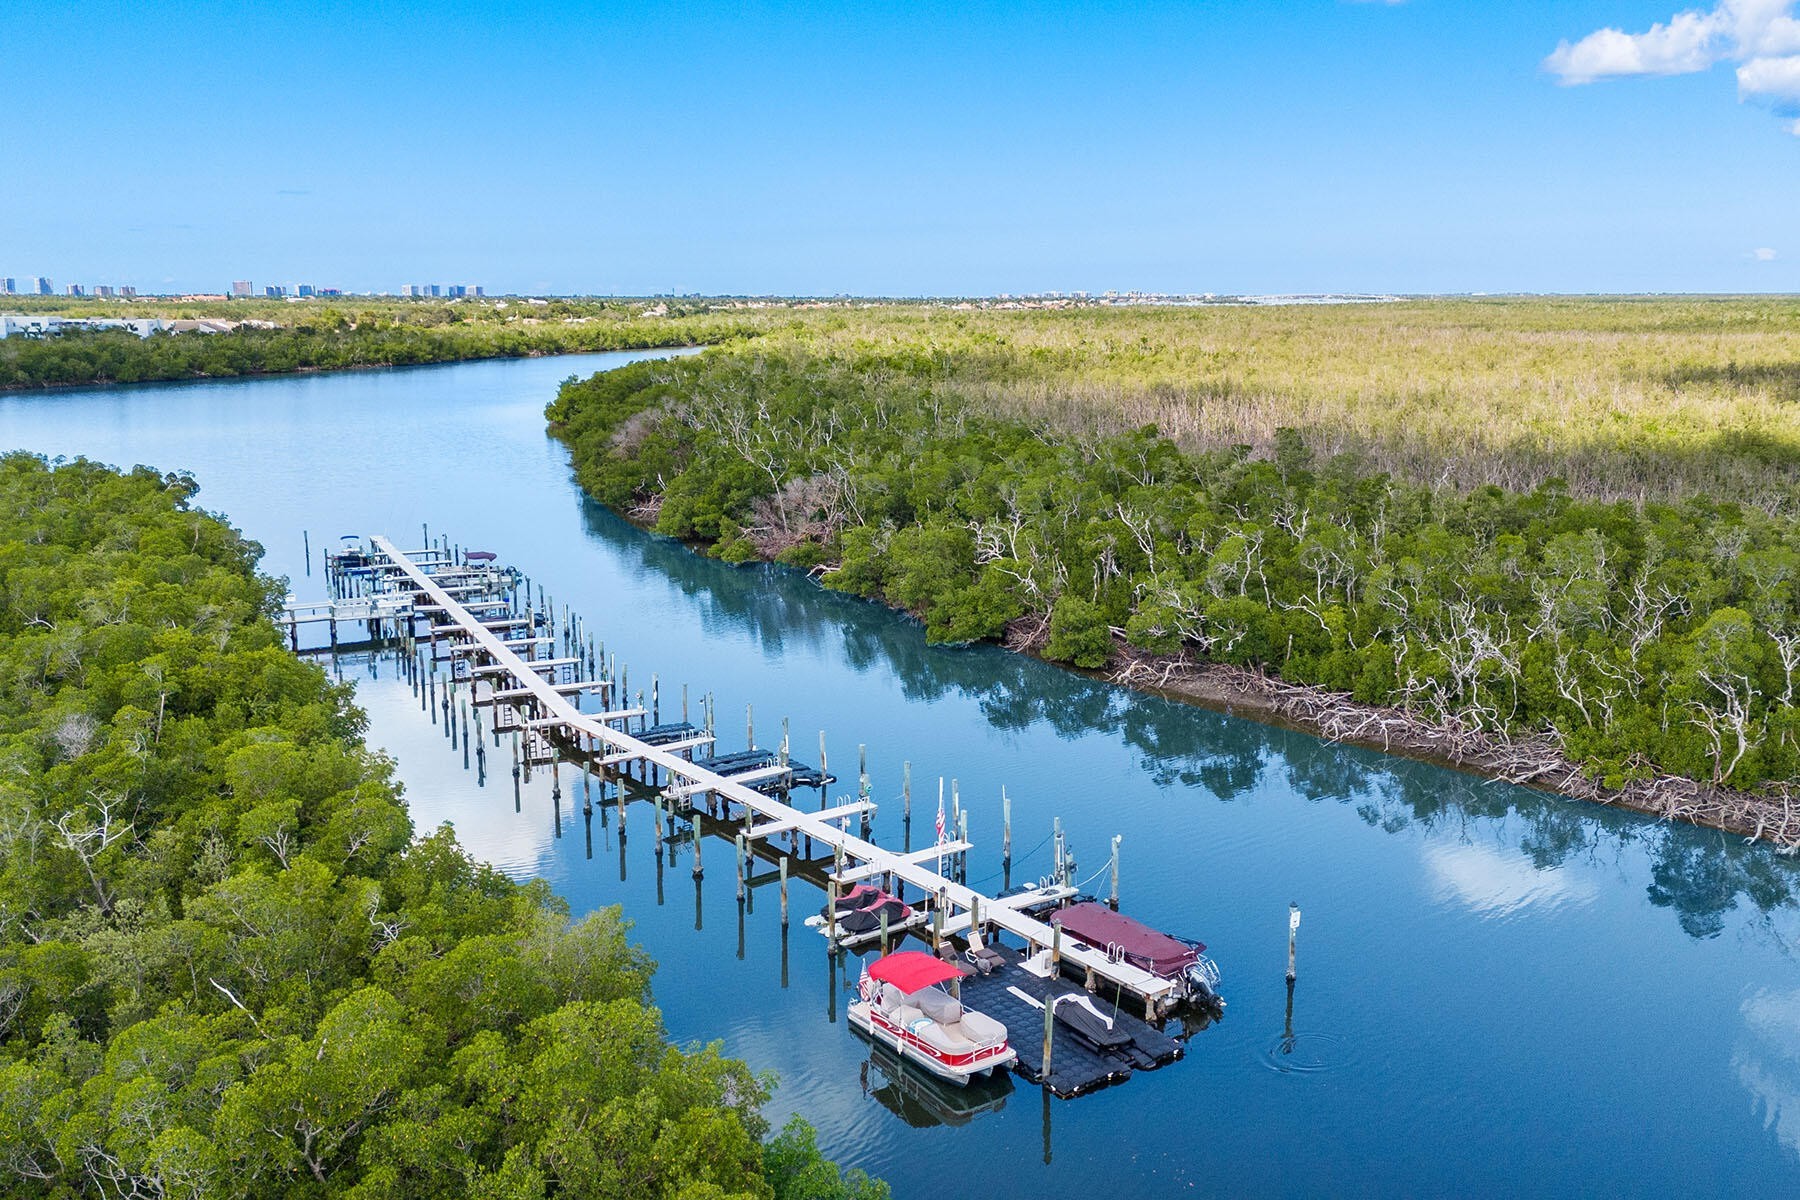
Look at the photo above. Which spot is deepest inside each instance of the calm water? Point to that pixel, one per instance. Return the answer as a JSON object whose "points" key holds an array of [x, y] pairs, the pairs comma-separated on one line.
{"points": [[1500, 993]]}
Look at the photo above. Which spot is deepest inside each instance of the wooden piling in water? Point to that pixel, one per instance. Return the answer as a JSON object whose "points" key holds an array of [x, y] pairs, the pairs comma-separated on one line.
{"points": [[831, 899], [1005, 829], [783, 866]]}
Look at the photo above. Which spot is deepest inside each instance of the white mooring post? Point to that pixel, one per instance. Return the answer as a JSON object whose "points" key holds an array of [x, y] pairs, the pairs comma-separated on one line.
{"points": [[1293, 933], [1005, 828]]}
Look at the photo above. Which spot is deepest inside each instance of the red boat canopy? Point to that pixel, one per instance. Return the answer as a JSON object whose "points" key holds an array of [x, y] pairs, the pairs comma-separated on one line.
{"points": [[912, 970], [1099, 926]]}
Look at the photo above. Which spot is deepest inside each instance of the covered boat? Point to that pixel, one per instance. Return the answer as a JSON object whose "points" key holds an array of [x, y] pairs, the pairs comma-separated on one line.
{"points": [[350, 555], [1125, 939], [861, 910], [903, 1006]]}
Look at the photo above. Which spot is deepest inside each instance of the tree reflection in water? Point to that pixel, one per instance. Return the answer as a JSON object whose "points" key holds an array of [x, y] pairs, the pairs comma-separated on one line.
{"points": [[1700, 875]]}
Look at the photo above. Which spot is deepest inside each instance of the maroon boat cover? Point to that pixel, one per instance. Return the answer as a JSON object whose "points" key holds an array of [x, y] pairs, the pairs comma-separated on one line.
{"points": [[912, 970], [1100, 927], [479, 555]]}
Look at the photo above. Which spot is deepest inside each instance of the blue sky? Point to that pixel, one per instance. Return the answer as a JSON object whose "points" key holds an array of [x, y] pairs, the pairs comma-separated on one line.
{"points": [[1323, 145]]}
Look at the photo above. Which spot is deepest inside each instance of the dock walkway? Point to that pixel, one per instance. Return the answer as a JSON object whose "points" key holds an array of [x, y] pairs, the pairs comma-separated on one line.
{"points": [[553, 708]]}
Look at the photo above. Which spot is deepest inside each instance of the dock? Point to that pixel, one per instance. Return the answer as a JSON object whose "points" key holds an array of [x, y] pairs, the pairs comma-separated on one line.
{"points": [[498, 656]]}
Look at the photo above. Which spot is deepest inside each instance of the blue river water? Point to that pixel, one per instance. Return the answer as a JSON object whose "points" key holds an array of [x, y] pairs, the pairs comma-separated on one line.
{"points": [[1501, 993]]}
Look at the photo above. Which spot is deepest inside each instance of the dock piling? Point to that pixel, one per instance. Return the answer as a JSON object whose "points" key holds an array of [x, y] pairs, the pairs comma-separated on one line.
{"points": [[1005, 830], [1293, 932], [831, 899]]}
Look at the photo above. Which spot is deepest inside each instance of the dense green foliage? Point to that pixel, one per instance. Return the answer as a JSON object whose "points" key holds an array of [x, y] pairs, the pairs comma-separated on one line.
{"points": [[226, 967], [1654, 637], [1622, 399], [337, 336]]}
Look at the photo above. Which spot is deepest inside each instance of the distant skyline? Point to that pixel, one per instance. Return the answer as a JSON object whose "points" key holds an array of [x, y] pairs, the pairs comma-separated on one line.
{"points": [[1425, 146]]}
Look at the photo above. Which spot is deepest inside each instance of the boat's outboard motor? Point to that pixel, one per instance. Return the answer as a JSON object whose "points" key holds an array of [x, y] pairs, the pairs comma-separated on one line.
{"points": [[1202, 976]]}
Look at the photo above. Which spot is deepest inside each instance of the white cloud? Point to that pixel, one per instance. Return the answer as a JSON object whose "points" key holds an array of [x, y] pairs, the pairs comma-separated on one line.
{"points": [[1761, 36], [1777, 79], [1764, 254], [1688, 43]]}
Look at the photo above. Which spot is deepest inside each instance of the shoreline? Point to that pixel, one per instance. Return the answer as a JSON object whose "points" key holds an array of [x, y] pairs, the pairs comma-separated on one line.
{"points": [[16, 389], [1525, 762], [1534, 762]]}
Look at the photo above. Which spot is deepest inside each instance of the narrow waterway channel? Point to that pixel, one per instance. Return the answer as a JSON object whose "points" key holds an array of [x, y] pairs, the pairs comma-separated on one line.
{"points": [[1500, 992]]}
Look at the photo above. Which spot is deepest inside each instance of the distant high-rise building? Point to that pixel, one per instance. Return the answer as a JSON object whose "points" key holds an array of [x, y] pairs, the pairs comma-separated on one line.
{"points": [[411, 290], [241, 288], [9, 287], [303, 289], [105, 291], [476, 291], [129, 292], [41, 285], [75, 289], [274, 291]]}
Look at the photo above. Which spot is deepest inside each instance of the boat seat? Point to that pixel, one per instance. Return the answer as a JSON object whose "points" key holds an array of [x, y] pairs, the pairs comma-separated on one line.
{"points": [[981, 1028], [890, 998], [946, 1039], [941, 1007]]}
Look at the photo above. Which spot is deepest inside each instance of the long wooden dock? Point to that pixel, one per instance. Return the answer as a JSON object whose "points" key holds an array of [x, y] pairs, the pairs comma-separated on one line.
{"points": [[551, 708]]}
